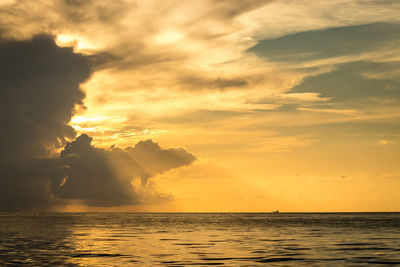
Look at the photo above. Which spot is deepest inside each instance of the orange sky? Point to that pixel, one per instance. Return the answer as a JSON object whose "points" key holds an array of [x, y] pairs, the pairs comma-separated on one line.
{"points": [[284, 106]]}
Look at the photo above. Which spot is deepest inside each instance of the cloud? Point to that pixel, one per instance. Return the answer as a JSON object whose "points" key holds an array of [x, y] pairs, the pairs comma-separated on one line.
{"points": [[332, 110], [39, 90], [81, 12], [99, 177], [198, 83]]}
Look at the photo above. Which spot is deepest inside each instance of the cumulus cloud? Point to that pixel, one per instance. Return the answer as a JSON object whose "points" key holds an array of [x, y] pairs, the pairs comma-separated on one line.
{"points": [[101, 177], [39, 93]]}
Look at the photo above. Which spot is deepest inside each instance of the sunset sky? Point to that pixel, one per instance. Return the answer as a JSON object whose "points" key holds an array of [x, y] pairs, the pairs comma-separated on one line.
{"points": [[250, 105]]}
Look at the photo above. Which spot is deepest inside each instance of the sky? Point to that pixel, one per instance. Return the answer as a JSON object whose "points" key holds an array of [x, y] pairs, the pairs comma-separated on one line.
{"points": [[200, 106]]}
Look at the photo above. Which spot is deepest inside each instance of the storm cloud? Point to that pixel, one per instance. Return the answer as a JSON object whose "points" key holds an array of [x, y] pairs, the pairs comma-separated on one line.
{"points": [[39, 89], [39, 93]]}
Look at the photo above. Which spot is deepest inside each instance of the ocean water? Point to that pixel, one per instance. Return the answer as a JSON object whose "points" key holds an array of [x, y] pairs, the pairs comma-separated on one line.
{"points": [[199, 239]]}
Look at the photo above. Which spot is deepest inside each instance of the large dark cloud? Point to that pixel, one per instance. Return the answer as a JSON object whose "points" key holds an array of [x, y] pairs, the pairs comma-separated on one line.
{"points": [[39, 90], [39, 85]]}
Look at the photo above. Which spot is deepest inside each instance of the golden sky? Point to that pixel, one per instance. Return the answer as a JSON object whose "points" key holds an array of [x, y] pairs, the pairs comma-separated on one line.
{"points": [[289, 105]]}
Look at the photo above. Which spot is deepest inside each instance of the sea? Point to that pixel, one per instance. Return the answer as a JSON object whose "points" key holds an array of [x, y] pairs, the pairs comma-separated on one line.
{"points": [[199, 239]]}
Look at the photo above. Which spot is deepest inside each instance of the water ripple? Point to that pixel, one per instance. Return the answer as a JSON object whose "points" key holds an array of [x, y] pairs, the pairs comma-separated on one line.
{"points": [[154, 239]]}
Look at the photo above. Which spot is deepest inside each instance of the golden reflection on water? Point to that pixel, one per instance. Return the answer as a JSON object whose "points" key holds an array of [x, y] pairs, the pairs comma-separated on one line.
{"points": [[157, 246], [134, 239]]}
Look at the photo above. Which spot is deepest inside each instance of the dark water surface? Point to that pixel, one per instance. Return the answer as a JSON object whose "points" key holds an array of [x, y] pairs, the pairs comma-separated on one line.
{"points": [[199, 239]]}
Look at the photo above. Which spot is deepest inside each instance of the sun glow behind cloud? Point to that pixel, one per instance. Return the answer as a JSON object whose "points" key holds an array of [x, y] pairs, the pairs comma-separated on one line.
{"points": [[168, 37], [252, 86], [80, 44]]}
